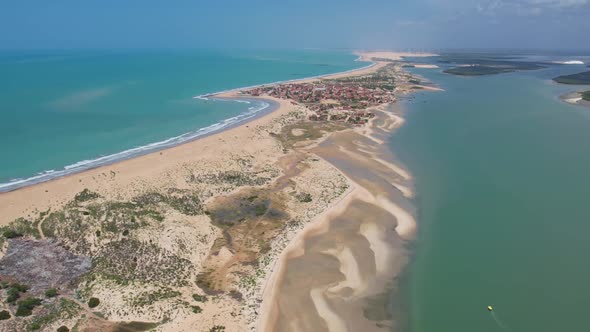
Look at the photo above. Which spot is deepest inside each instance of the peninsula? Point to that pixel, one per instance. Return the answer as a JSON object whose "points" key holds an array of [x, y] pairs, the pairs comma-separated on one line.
{"points": [[200, 237]]}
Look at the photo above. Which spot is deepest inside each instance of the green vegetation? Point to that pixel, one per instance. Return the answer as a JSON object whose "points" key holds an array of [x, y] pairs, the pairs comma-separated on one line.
{"points": [[51, 292], [184, 201], [4, 315], [25, 307], [93, 302], [13, 293], [196, 309], [233, 178], [130, 259], [586, 95], [200, 298], [148, 298], [217, 328], [62, 309], [11, 234], [578, 79], [63, 329], [18, 228], [85, 195], [304, 197]]}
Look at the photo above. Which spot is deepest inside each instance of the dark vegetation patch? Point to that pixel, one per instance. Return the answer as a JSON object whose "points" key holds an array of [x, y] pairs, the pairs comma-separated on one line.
{"points": [[304, 197], [51, 292], [250, 219], [233, 178], [148, 298], [478, 70], [93, 302], [206, 281], [134, 326], [106, 220], [128, 260], [62, 309], [486, 64], [4, 315], [18, 228], [312, 130], [184, 201], [578, 79], [199, 298], [25, 307], [42, 264], [85, 196]]}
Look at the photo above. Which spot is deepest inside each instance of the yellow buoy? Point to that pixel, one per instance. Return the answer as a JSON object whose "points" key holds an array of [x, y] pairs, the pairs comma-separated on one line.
{"points": [[490, 308]]}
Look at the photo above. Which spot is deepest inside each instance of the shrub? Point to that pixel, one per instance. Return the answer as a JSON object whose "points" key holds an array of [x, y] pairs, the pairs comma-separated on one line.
{"points": [[200, 298], [217, 328], [4, 314], [196, 309], [20, 287], [25, 307], [11, 234], [63, 329], [51, 292], [12, 295], [304, 197], [93, 302], [86, 195]]}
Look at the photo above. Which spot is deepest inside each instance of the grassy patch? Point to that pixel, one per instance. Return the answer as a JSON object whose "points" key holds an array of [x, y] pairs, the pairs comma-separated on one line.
{"points": [[149, 298], [25, 307]]}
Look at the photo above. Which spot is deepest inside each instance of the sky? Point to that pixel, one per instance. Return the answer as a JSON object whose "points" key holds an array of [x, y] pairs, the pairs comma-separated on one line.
{"points": [[350, 24]]}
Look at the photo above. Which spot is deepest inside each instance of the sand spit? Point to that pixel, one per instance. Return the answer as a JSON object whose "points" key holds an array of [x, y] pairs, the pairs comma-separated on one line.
{"points": [[278, 224], [393, 56], [575, 98], [359, 243]]}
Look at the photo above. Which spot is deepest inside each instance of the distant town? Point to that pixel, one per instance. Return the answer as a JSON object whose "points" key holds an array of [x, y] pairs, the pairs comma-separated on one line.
{"points": [[344, 99]]}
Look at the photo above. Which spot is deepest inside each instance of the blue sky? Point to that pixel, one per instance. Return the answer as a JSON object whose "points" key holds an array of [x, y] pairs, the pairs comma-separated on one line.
{"points": [[418, 24]]}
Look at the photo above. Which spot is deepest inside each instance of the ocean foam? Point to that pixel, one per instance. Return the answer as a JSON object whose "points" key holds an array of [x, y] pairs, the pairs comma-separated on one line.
{"points": [[137, 151], [173, 141]]}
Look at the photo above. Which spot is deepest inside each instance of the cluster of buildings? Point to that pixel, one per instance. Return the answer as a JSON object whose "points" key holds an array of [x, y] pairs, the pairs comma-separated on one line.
{"points": [[335, 100]]}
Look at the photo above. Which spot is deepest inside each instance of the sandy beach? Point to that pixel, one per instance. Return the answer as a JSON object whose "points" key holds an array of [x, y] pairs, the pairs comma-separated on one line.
{"points": [[289, 182], [575, 98]]}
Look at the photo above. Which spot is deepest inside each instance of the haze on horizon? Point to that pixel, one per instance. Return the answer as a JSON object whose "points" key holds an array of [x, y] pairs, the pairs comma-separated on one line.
{"points": [[419, 24]]}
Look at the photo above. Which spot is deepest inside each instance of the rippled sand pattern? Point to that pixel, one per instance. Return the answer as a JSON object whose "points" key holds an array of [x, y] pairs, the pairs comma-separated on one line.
{"points": [[341, 276]]}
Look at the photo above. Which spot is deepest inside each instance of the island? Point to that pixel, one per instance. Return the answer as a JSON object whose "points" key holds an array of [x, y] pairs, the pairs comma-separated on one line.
{"points": [[487, 65], [574, 79]]}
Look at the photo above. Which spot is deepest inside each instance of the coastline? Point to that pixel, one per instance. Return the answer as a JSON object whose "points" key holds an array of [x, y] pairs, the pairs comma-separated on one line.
{"points": [[230, 94], [307, 169], [575, 98], [389, 260]]}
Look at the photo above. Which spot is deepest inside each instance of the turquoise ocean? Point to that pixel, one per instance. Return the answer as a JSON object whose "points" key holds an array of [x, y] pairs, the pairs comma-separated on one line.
{"points": [[502, 174], [66, 111]]}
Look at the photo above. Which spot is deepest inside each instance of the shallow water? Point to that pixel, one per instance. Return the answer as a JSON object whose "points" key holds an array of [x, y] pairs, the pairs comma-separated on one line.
{"points": [[501, 170], [69, 108]]}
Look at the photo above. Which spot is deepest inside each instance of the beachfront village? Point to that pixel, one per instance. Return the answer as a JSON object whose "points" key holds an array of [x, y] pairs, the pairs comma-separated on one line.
{"points": [[343, 99]]}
